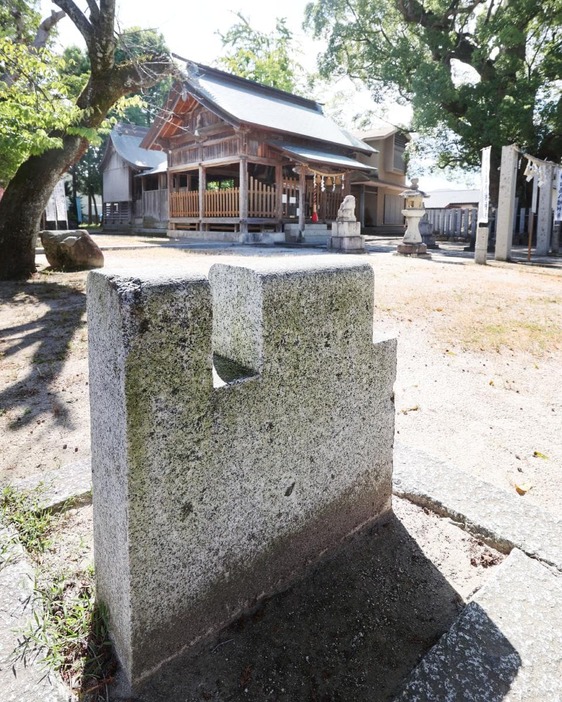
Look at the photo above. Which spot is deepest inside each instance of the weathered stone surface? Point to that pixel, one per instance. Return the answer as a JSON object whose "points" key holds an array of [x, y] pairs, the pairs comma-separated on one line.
{"points": [[408, 249], [207, 498], [348, 244], [346, 211], [72, 482], [506, 646], [346, 231], [20, 680], [502, 520], [71, 250]]}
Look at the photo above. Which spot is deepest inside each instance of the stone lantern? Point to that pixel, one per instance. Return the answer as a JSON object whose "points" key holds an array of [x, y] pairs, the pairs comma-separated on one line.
{"points": [[412, 243]]}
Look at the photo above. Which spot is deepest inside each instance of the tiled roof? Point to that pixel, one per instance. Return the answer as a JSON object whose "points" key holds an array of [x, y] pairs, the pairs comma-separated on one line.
{"points": [[248, 102], [309, 155], [126, 139]]}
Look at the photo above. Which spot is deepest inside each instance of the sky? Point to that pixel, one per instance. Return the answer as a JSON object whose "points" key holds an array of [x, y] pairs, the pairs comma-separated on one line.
{"points": [[191, 30]]}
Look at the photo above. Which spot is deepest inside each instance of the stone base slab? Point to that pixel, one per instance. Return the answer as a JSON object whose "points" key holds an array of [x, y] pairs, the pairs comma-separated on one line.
{"points": [[210, 496], [347, 244], [412, 250]]}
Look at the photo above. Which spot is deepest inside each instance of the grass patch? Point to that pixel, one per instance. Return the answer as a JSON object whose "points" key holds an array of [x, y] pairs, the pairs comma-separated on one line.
{"points": [[504, 332], [23, 511], [514, 334], [69, 629], [72, 634]]}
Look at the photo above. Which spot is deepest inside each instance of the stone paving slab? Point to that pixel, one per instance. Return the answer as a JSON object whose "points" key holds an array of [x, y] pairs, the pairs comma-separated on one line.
{"points": [[506, 646], [502, 520], [57, 486], [20, 681]]}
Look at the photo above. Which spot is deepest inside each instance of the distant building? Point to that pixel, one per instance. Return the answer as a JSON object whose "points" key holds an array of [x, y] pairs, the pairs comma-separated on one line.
{"points": [[246, 159], [378, 192], [135, 185], [444, 199]]}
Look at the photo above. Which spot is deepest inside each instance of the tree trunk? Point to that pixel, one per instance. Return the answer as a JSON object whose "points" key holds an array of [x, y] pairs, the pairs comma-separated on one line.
{"points": [[28, 192], [23, 204]]}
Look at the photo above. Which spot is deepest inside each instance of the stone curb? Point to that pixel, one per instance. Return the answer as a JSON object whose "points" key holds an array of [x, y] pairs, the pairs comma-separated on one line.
{"points": [[21, 680], [71, 483], [502, 520], [506, 643]]}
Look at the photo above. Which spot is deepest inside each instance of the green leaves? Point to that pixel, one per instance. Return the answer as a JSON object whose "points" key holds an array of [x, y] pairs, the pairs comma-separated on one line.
{"points": [[419, 50], [34, 101], [265, 58]]}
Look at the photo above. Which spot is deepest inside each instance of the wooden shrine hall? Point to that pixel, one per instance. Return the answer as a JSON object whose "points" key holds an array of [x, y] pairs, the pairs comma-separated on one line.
{"points": [[245, 158]]}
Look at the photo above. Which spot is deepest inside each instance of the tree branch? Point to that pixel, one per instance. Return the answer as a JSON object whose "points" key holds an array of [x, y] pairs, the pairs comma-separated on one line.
{"points": [[45, 27], [77, 16], [94, 9]]}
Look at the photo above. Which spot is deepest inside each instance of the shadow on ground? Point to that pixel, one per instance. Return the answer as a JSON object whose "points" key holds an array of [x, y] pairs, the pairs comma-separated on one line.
{"points": [[46, 337], [352, 630]]}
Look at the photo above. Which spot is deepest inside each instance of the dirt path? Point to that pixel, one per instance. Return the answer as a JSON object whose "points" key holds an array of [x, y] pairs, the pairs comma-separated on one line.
{"points": [[479, 368]]}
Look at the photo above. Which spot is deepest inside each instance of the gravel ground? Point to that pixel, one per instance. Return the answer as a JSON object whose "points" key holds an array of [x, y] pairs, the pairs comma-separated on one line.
{"points": [[479, 362], [479, 367]]}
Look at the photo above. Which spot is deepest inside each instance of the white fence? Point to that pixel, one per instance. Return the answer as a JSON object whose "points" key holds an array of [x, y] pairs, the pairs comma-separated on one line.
{"points": [[461, 223], [454, 222]]}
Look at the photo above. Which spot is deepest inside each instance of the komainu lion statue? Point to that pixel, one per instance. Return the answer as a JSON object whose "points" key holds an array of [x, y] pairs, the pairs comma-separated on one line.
{"points": [[346, 212]]}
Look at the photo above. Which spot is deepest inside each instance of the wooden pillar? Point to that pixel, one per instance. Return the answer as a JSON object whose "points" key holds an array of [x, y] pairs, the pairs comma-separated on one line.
{"points": [[302, 199], [506, 203], [279, 191], [243, 213], [202, 188]]}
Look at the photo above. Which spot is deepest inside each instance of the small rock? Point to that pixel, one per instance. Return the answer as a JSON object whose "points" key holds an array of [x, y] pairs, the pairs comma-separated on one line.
{"points": [[71, 250]]}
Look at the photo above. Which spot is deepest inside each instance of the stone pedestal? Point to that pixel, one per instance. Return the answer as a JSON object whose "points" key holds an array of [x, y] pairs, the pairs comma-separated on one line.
{"points": [[346, 238], [346, 231], [412, 249]]}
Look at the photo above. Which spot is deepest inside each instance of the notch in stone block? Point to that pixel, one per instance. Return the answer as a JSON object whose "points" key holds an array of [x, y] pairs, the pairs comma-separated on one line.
{"points": [[206, 499]]}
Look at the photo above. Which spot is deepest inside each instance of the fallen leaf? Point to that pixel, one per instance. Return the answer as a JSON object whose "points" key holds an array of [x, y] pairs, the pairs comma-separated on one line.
{"points": [[407, 410], [522, 488]]}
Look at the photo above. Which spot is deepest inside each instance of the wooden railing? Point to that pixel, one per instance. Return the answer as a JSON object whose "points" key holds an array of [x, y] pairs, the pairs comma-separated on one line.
{"points": [[184, 203], [225, 203], [261, 199], [261, 202], [222, 203]]}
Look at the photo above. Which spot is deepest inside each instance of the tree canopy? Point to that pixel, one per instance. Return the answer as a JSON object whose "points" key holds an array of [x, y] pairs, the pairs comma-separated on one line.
{"points": [[478, 72], [34, 102], [119, 64], [268, 58], [34, 96]]}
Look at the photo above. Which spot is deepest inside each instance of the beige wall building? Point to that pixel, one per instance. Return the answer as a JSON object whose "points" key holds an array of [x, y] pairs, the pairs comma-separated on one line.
{"points": [[379, 205]]}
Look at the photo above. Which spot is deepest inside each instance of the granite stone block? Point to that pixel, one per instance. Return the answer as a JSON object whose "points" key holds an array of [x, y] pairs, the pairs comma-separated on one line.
{"points": [[242, 426]]}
